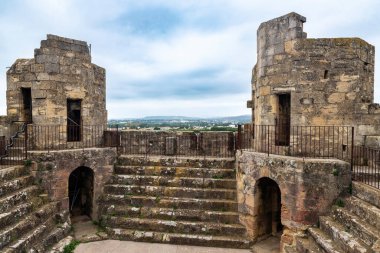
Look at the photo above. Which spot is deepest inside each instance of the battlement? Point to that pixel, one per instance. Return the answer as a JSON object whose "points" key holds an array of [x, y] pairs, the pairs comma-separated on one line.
{"points": [[62, 44], [272, 34], [55, 46]]}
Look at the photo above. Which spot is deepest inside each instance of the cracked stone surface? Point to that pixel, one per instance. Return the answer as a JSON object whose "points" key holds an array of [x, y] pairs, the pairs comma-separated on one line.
{"points": [[110, 246]]}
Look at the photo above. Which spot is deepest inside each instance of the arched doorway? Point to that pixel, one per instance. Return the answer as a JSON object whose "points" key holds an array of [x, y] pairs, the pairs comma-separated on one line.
{"points": [[268, 199], [81, 191]]}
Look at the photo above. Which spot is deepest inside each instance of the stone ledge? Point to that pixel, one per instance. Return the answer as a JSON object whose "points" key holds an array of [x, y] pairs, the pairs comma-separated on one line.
{"points": [[67, 40]]}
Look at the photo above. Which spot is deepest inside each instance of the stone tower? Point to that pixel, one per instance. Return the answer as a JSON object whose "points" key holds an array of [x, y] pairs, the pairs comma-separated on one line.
{"points": [[301, 81], [59, 86]]}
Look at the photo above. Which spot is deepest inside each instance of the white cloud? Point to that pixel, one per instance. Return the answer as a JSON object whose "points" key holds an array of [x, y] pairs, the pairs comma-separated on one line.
{"points": [[212, 34], [216, 106]]}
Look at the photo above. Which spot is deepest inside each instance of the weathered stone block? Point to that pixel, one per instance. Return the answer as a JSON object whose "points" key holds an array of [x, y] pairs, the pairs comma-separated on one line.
{"points": [[43, 76], [52, 68], [335, 98], [47, 58], [264, 91], [307, 101], [343, 86], [37, 68], [39, 94]]}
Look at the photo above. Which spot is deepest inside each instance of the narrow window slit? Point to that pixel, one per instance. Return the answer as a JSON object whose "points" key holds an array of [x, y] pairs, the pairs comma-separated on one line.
{"points": [[326, 74]]}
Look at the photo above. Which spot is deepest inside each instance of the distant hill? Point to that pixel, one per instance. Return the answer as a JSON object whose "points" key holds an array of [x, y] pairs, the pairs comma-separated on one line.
{"points": [[169, 118], [240, 119]]}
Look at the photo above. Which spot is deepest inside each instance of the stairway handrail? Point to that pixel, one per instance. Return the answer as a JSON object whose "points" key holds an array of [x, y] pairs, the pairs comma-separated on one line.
{"points": [[11, 140]]}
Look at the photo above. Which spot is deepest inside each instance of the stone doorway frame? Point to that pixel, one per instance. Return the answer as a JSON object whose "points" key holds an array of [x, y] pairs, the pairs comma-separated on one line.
{"points": [[267, 198], [75, 190]]}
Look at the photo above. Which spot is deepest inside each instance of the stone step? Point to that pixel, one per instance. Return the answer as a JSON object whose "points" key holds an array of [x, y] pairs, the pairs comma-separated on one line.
{"points": [[290, 249], [10, 233], [367, 212], [176, 172], [360, 229], [366, 193], [164, 202], [193, 182], [16, 213], [172, 214], [185, 227], [176, 192], [59, 247], [177, 162], [182, 239], [307, 245], [15, 184], [324, 241], [345, 240], [16, 151], [367, 175], [374, 183], [54, 237], [13, 160], [26, 243], [13, 172], [13, 199]]}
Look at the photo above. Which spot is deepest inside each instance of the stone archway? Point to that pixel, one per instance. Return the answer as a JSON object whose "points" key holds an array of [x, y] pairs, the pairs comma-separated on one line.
{"points": [[268, 208], [81, 192]]}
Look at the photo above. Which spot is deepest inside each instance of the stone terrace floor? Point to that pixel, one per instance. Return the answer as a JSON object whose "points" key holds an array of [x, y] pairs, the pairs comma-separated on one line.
{"points": [[114, 246]]}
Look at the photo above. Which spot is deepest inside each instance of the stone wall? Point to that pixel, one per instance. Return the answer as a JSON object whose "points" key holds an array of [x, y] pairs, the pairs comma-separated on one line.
{"points": [[52, 170], [5, 126], [60, 70], [308, 188], [330, 81], [178, 143]]}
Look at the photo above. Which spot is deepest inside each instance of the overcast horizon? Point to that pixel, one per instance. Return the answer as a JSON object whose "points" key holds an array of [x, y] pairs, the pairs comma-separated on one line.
{"points": [[188, 58]]}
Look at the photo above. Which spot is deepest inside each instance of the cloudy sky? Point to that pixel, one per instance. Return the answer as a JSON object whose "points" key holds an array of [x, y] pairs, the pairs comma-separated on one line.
{"points": [[166, 57]]}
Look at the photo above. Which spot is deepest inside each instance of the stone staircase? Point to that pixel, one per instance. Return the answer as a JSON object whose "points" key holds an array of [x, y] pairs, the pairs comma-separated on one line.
{"points": [[29, 222], [179, 201], [352, 227]]}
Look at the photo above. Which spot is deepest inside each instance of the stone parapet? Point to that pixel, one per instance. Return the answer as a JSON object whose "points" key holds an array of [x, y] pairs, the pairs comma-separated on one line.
{"points": [[218, 144], [52, 170], [308, 189]]}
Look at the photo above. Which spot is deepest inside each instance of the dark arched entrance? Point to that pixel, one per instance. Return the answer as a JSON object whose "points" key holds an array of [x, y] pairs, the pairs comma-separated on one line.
{"points": [[81, 191], [268, 197]]}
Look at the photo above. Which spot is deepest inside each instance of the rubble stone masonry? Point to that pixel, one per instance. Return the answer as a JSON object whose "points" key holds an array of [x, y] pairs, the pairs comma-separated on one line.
{"points": [[330, 81], [60, 70], [308, 188]]}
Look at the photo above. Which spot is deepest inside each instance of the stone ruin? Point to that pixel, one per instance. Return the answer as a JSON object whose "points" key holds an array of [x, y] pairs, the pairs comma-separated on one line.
{"points": [[311, 82], [60, 162]]}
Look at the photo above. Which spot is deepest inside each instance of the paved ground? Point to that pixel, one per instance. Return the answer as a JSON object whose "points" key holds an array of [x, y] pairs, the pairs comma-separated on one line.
{"points": [[113, 246], [85, 230], [270, 245], [83, 226]]}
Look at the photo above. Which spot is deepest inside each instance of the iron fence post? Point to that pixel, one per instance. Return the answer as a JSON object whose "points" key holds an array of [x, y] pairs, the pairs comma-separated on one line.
{"points": [[238, 146], [352, 148], [117, 138], [268, 139], [26, 141]]}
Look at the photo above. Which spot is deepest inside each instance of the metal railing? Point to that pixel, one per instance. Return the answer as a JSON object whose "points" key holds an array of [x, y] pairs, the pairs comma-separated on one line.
{"points": [[282, 139], [12, 151], [56, 137], [366, 165], [299, 141]]}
